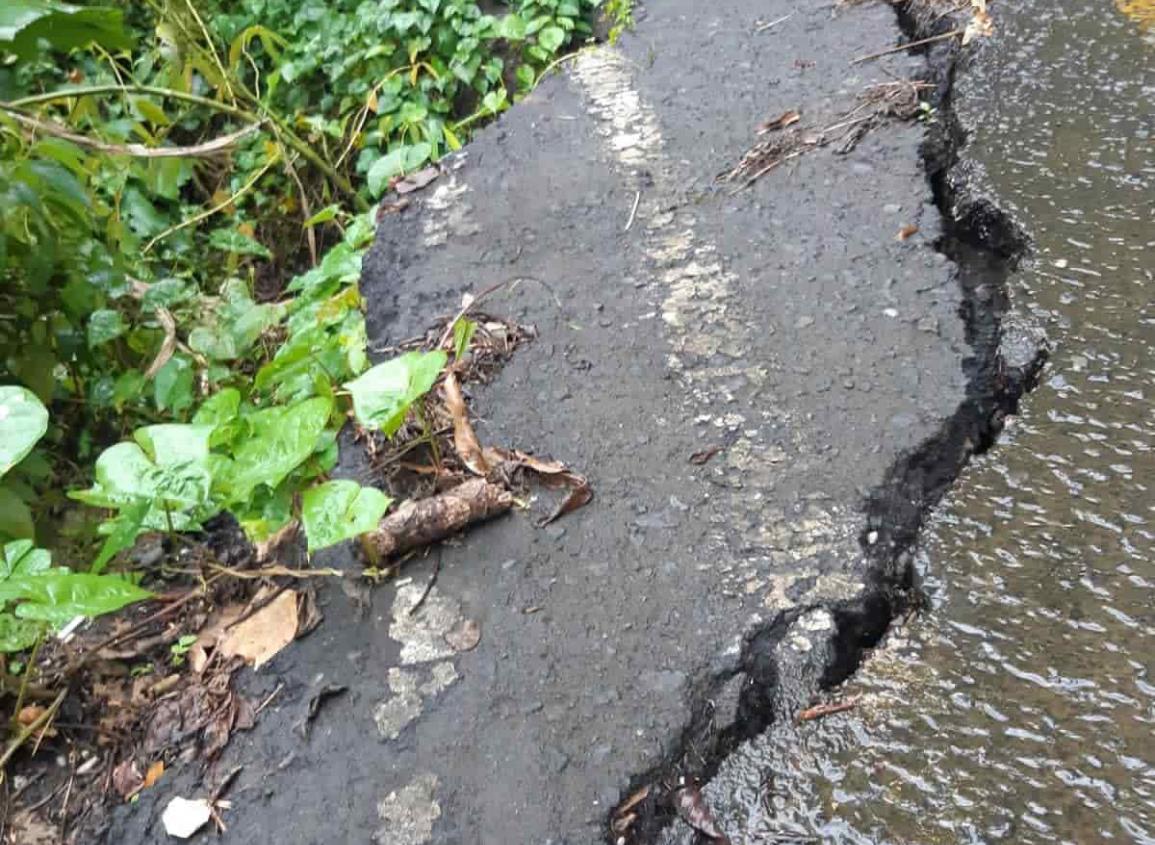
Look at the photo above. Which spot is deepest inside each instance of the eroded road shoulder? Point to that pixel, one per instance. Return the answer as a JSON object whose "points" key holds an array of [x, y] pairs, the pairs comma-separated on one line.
{"points": [[784, 323]]}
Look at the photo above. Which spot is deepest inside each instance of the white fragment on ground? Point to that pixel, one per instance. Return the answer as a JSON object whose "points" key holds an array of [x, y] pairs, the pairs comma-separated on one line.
{"points": [[817, 620], [422, 634], [183, 816], [409, 696], [409, 813]]}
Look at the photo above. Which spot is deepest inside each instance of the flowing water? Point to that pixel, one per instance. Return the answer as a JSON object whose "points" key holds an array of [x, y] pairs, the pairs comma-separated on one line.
{"points": [[1022, 707]]}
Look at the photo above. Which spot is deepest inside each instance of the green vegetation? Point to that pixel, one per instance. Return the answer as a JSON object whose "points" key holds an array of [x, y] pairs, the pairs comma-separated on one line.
{"points": [[164, 169]]}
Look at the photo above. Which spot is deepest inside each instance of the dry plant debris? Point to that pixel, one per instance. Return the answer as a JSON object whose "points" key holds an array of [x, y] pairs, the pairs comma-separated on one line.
{"points": [[787, 139]]}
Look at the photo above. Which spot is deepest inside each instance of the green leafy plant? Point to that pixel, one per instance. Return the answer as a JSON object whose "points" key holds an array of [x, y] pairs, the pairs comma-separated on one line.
{"points": [[383, 396], [36, 596], [340, 510], [180, 648]]}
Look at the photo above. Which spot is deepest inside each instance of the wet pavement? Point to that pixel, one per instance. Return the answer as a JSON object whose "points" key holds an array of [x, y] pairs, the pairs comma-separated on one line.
{"points": [[1021, 707], [785, 323]]}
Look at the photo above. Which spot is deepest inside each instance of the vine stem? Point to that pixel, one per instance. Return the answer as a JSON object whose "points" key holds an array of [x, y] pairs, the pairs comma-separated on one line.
{"points": [[290, 137], [209, 212], [41, 722]]}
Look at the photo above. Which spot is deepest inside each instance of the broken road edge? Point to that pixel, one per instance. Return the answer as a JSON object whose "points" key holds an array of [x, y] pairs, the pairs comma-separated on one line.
{"points": [[1008, 351]]}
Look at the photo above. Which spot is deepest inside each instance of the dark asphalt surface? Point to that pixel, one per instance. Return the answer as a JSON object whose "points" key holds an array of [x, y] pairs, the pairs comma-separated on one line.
{"points": [[785, 322]]}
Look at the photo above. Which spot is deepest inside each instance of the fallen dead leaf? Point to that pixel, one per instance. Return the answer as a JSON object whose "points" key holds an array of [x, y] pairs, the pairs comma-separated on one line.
{"points": [[633, 801], [781, 122], [416, 181], [818, 711], [694, 811], [209, 635], [981, 25], [272, 546], [581, 494], [260, 637], [154, 773], [314, 706], [182, 817], [906, 232], [29, 714], [465, 636], [126, 779], [464, 438], [703, 456]]}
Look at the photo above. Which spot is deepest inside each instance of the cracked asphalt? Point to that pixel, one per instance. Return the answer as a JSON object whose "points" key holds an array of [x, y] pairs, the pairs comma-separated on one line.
{"points": [[784, 322]]}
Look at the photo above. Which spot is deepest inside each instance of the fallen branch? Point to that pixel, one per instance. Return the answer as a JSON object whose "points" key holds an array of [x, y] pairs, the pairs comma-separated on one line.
{"points": [[425, 521]]}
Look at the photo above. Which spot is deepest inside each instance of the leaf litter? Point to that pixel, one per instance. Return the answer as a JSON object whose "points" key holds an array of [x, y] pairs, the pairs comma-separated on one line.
{"points": [[787, 138], [146, 704]]}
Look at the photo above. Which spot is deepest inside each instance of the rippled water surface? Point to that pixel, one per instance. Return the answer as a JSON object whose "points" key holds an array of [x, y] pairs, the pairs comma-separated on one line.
{"points": [[1022, 709]]}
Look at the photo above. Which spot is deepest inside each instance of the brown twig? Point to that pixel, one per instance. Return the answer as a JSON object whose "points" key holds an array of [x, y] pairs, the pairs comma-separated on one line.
{"points": [[209, 148], [164, 612], [465, 309], [429, 586], [908, 46], [819, 711]]}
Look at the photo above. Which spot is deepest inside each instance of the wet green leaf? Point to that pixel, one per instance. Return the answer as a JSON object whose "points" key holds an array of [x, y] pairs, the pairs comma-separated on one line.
{"points": [[383, 395], [25, 23], [15, 516], [340, 510], [23, 421], [404, 159], [105, 325], [279, 440], [463, 330], [18, 634], [57, 595]]}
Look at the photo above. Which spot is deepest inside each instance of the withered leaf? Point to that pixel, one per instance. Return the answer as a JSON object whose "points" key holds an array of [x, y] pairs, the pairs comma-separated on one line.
{"points": [[781, 122], [416, 181], [464, 438], [702, 456], [260, 637], [154, 773], [126, 779], [465, 636], [692, 809]]}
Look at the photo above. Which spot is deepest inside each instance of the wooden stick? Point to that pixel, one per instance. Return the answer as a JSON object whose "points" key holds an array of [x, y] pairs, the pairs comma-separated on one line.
{"points": [[943, 37]]}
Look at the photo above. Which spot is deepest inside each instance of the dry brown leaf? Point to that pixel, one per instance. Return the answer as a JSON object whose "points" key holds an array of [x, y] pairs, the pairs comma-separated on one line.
{"points": [[781, 122], [465, 636], [126, 779], [703, 456], [694, 811], [210, 634], [272, 546], [981, 25], [906, 232], [416, 181], [29, 714], [581, 494], [154, 773], [24, 827], [260, 637], [464, 438]]}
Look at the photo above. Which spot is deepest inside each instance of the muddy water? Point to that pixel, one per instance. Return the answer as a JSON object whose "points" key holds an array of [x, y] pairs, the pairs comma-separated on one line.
{"points": [[1022, 707]]}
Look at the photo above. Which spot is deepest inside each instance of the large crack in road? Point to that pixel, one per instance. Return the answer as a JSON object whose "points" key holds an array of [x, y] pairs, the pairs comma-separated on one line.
{"points": [[646, 635]]}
